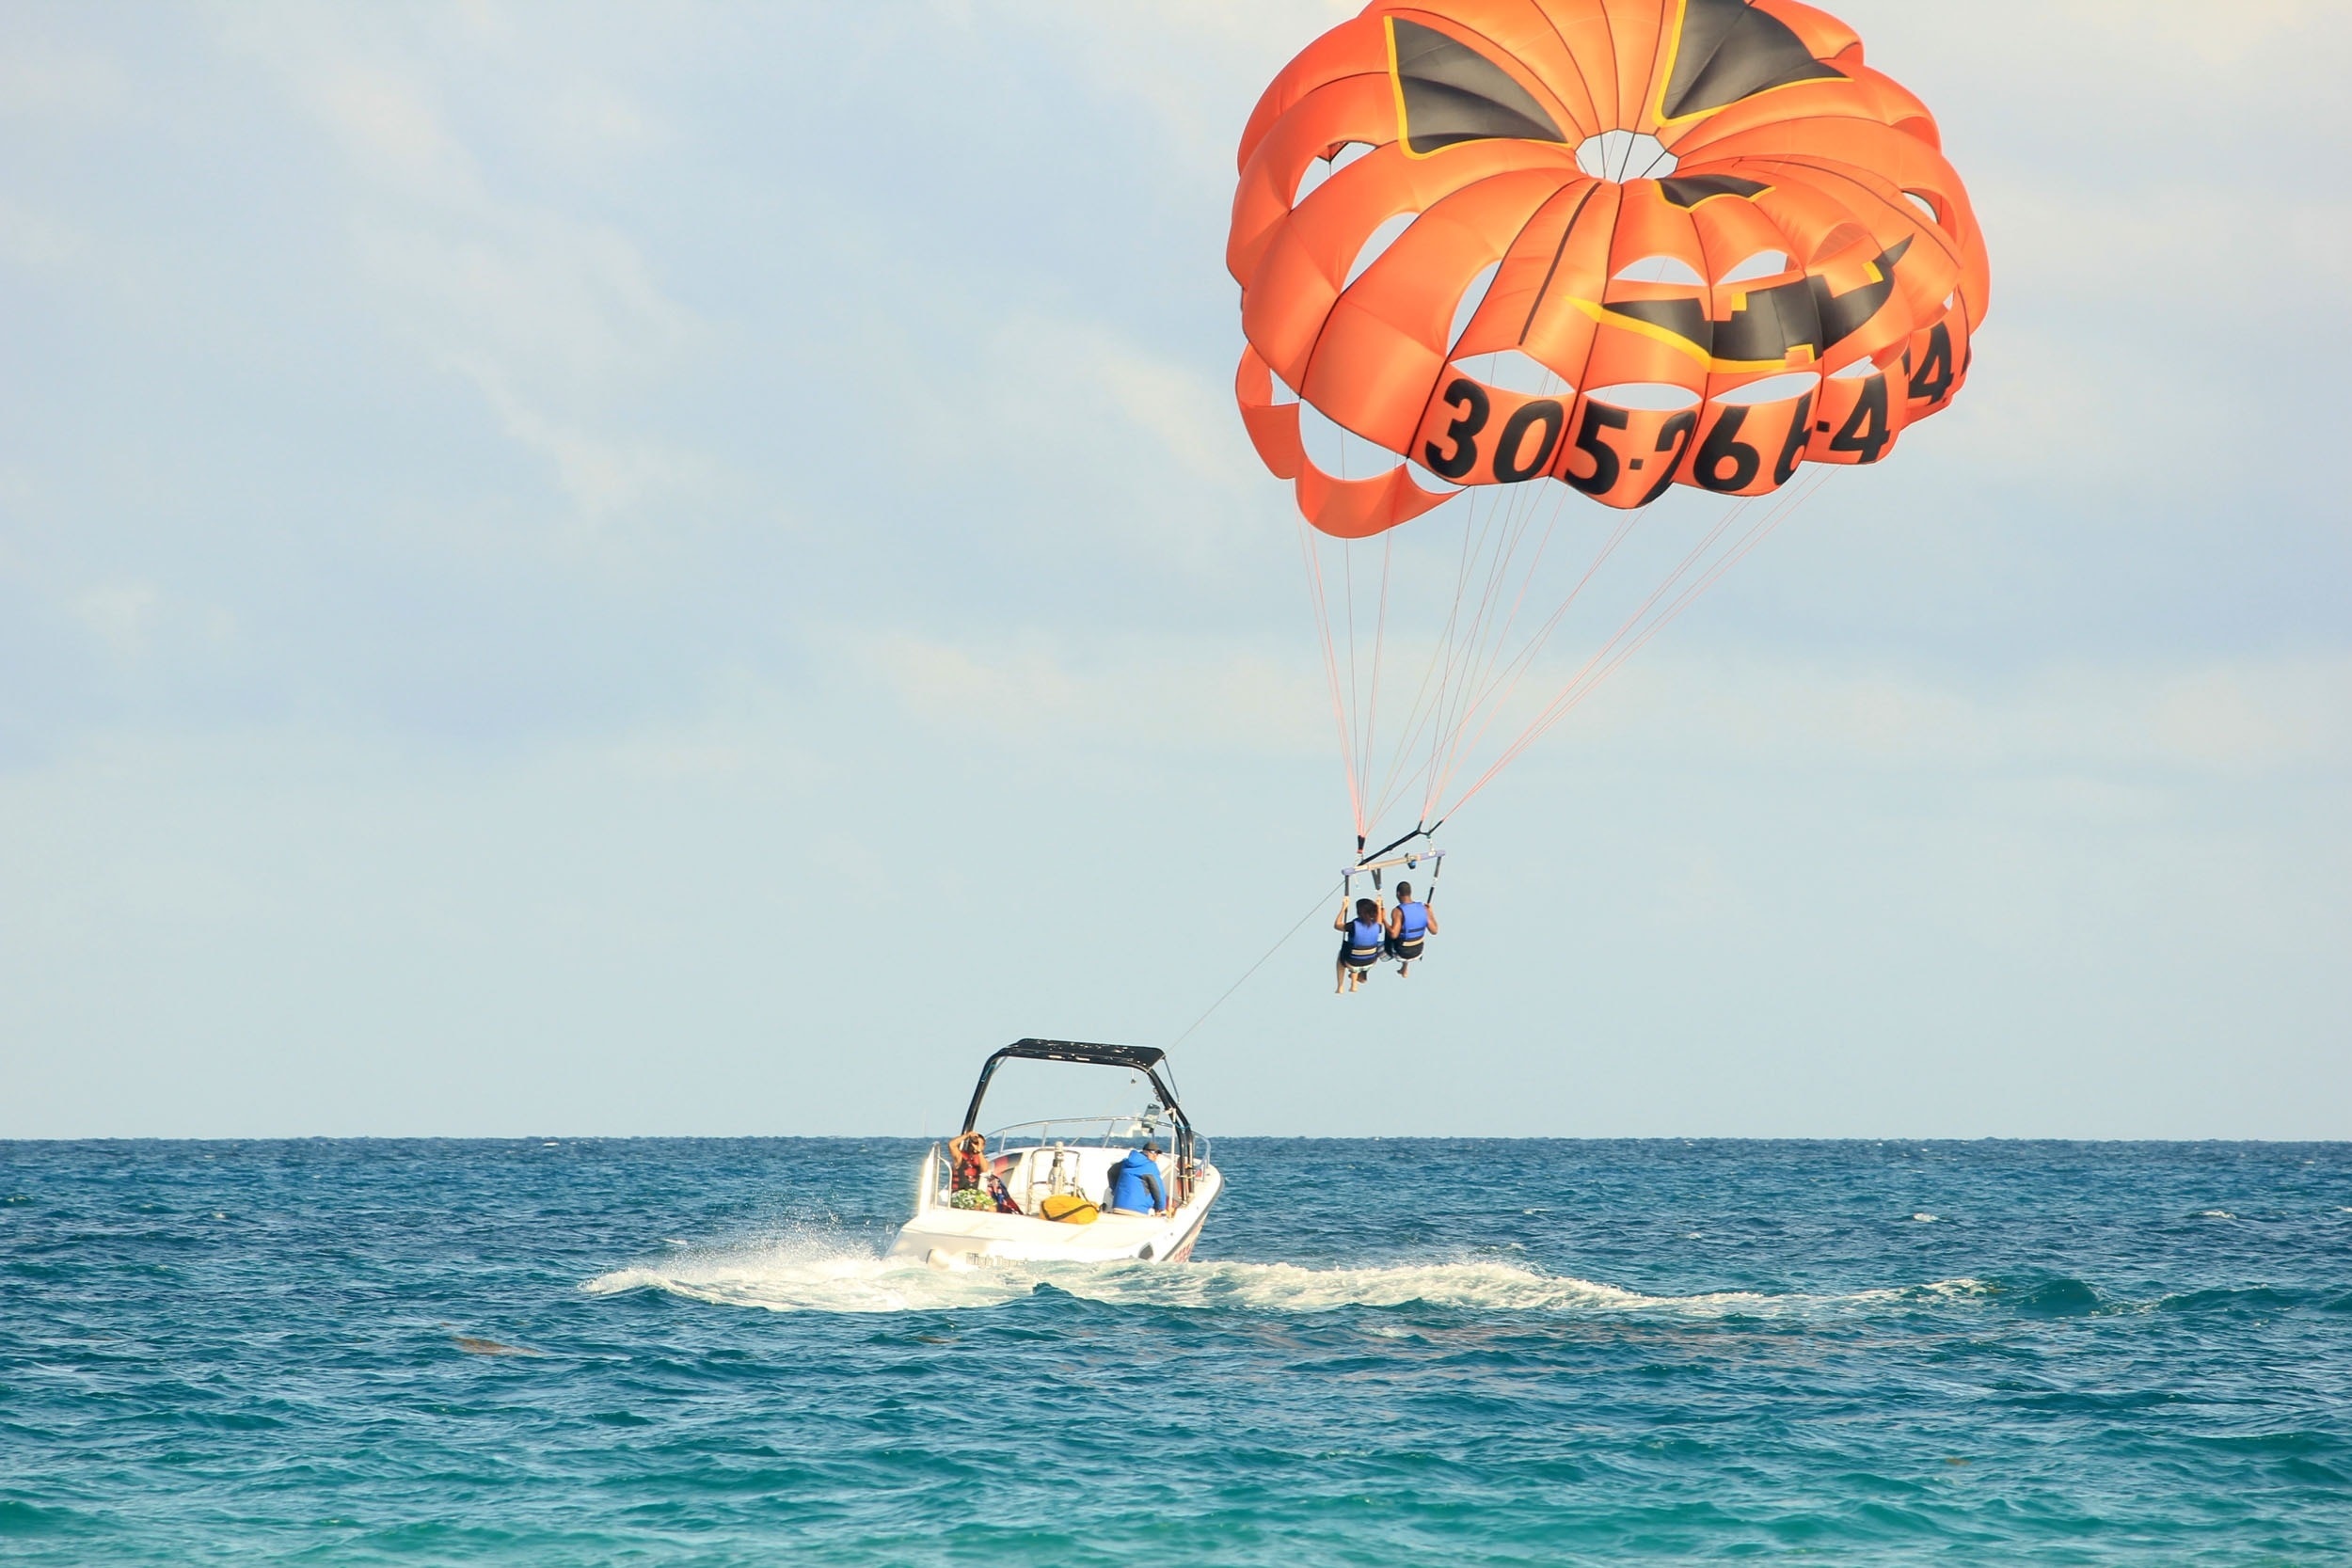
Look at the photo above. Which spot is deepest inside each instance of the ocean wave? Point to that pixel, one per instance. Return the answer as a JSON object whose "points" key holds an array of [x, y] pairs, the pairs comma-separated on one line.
{"points": [[2250, 1298], [2057, 1297], [812, 1276]]}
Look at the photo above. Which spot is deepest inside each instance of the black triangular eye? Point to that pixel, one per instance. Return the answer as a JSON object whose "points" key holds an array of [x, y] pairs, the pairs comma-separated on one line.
{"points": [[1729, 49], [1453, 93]]}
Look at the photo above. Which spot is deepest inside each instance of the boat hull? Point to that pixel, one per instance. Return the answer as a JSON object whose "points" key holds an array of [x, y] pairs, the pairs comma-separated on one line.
{"points": [[965, 1238]]}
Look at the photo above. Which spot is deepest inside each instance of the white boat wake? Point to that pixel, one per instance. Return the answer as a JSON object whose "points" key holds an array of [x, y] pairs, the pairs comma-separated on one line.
{"points": [[821, 1274]]}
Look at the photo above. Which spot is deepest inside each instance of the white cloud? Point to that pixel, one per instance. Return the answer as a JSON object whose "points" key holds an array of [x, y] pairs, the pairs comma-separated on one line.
{"points": [[1739, 710], [122, 615], [1191, 64], [750, 739], [554, 316], [2250, 717], [2265, 254], [2235, 717], [446, 242], [389, 129], [584, 118], [1055, 380], [2064, 56], [1154, 697], [554, 302], [41, 81], [604, 475], [37, 241], [1183, 412], [1091, 437], [2035, 400], [133, 619]]}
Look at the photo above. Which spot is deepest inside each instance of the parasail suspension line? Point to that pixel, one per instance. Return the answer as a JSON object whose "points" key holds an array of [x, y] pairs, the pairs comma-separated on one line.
{"points": [[1630, 637], [1331, 672], [1281, 943]]}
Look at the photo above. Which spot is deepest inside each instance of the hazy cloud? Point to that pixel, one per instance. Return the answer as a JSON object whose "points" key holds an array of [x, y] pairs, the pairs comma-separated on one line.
{"points": [[562, 543]]}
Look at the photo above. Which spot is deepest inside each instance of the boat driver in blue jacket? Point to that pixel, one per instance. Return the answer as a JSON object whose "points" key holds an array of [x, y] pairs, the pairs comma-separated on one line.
{"points": [[1136, 1183]]}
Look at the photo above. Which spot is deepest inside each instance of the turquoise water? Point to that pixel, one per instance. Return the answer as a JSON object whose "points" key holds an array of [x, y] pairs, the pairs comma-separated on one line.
{"points": [[1389, 1351]]}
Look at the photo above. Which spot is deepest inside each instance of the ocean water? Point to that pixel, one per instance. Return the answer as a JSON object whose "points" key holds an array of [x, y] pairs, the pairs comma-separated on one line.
{"points": [[556, 1351]]}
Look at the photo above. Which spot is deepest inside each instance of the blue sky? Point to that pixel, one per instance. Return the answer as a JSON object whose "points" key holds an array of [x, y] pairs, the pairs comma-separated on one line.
{"points": [[691, 570]]}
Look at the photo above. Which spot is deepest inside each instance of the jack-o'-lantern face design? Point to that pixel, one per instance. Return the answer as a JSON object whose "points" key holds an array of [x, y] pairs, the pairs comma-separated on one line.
{"points": [[1706, 239]]}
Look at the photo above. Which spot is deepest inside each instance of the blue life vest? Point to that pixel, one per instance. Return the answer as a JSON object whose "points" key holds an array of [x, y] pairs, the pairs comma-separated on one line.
{"points": [[1128, 1190], [1366, 937], [1414, 921]]}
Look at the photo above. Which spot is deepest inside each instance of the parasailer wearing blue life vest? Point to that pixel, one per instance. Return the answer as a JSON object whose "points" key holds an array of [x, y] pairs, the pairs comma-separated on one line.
{"points": [[1412, 924], [1362, 941]]}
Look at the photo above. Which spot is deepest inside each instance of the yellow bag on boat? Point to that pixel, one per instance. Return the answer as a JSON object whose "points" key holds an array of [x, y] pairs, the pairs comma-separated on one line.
{"points": [[1070, 1208]]}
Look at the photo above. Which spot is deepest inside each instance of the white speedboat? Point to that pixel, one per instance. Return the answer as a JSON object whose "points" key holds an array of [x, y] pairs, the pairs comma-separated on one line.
{"points": [[1062, 1167]]}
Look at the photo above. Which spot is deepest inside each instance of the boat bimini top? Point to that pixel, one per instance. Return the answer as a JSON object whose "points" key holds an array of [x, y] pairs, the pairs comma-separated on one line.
{"points": [[1148, 1060]]}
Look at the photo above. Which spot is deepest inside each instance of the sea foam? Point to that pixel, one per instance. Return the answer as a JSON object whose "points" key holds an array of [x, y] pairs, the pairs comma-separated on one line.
{"points": [[821, 1275]]}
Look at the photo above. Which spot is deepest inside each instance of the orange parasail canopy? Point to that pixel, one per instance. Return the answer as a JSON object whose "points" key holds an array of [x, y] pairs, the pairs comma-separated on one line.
{"points": [[1621, 244]]}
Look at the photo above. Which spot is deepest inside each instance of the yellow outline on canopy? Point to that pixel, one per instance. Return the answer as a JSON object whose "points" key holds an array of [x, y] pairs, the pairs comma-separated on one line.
{"points": [[1607, 317]]}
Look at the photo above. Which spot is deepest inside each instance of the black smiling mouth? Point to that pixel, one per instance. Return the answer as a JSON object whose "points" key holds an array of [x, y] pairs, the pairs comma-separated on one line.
{"points": [[1801, 313]]}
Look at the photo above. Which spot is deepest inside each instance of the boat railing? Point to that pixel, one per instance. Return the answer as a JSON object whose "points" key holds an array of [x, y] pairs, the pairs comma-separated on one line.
{"points": [[938, 1174], [1189, 1157], [935, 1186], [1103, 1130], [1190, 1162]]}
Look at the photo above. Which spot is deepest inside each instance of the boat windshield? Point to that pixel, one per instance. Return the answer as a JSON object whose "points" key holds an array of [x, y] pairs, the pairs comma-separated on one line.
{"points": [[1103, 1131], [1037, 1101]]}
